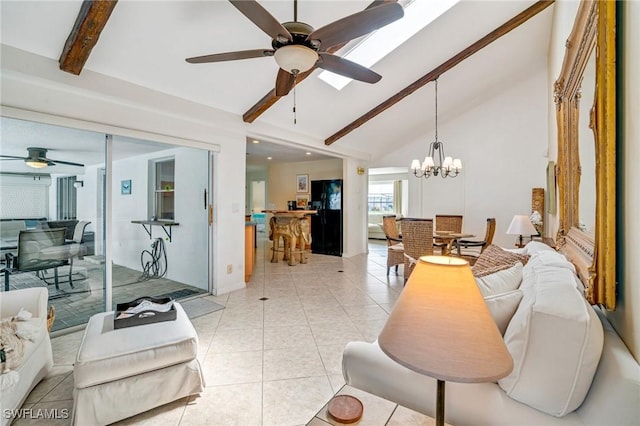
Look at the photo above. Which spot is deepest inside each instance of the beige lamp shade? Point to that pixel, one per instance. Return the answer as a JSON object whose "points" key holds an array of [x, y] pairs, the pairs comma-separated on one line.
{"points": [[521, 225]]}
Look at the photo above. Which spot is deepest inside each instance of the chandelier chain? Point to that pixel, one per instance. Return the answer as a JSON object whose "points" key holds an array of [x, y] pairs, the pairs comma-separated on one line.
{"points": [[436, 110]]}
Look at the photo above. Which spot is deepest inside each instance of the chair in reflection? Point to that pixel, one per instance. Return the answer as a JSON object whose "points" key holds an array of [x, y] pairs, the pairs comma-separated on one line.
{"points": [[471, 249], [75, 246], [32, 253], [417, 238], [395, 248], [446, 223]]}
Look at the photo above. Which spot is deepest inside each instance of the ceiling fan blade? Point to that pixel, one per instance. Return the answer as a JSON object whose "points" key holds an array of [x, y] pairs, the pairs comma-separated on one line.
{"points": [[67, 163], [11, 157], [263, 19], [356, 25], [230, 56], [347, 68], [284, 82]]}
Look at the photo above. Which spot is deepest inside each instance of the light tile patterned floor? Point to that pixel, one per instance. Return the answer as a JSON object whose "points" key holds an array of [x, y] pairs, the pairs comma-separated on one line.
{"points": [[266, 362]]}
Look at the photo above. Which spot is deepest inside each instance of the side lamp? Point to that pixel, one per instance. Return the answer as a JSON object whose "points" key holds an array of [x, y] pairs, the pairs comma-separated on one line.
{"points": [[521, 225]]}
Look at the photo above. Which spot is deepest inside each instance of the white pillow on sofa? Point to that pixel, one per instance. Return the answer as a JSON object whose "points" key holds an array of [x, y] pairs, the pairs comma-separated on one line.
{"points": [[555, 339], [501, 281], [502, 307], [536, 246]]}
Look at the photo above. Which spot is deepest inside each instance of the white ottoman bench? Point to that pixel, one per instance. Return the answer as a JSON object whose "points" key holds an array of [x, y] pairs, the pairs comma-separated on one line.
{"points": [[123, 372]]}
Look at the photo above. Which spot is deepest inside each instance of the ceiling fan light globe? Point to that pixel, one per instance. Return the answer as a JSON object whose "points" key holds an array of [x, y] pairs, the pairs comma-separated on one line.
{"points": [[36, 164], [295, 57]]}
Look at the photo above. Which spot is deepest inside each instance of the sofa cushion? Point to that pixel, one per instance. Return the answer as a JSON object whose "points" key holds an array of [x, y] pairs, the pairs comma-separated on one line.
{"points": [[494, 259], [107, 354], [536, 246], [502, 307], [501, 281], [555, 339]]}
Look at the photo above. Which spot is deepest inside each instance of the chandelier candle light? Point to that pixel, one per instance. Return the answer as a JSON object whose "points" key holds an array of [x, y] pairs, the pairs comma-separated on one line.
{"points": [[446, 167]]}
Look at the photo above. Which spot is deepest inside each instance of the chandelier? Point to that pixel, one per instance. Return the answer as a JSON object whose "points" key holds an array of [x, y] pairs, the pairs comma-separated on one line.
{"points": [[446, 166]]}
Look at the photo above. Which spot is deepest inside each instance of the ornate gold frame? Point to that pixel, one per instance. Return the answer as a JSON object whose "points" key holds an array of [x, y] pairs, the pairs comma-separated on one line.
{"points": [[594, 256]]}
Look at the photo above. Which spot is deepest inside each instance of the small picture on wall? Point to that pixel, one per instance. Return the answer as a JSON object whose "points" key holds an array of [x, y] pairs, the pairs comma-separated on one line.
{"points": [[302, 183], [301, 201], [125, 187]]}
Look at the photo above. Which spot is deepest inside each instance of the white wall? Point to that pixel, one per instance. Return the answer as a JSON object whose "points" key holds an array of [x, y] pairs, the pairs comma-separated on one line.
{"points": [[355, 189], [502, 143], [282, 178]]}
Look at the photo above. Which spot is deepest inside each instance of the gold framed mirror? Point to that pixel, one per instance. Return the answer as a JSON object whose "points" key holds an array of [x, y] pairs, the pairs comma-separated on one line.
{"points": [[589, 241]]}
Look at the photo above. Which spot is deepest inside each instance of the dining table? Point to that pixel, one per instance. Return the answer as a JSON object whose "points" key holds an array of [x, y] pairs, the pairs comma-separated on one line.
{"points": [[450, 238]]}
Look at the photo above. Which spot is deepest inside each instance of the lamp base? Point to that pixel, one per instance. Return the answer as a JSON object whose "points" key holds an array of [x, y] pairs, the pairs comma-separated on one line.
{"points": [[345, 408]]}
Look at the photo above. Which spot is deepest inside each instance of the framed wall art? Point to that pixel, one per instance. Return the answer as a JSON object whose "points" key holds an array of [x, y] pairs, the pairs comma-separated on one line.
{"points": [[301, 201], [302, 183], [125, 187]]}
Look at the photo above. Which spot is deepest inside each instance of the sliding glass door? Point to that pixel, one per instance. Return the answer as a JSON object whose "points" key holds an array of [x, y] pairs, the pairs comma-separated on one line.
{"points": [[159, 220], [49, 216], [156, 218]]}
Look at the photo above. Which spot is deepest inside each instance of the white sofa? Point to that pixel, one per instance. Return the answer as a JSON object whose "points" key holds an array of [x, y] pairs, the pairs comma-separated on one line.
{"points": [[553, 381], [38, 356]]}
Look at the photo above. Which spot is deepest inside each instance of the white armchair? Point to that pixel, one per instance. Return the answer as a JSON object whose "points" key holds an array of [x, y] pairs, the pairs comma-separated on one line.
{"points": [[38, 356]]}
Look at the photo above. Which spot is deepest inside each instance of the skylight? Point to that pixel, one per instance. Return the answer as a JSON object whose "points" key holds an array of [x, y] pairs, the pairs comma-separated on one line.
{"points": [[417, 15]]}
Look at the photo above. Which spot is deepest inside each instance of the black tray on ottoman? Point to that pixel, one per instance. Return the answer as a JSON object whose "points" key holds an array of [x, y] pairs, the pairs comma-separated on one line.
{"points": [[144, 317]]}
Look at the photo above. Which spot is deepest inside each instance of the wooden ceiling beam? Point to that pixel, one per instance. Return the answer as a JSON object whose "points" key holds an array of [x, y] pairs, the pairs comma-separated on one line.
{"points": [[513, 23], [271, 98], [92, 18]]}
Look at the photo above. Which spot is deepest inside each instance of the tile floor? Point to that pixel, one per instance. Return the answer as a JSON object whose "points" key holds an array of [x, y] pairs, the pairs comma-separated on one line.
{"points": [[266, 362]]}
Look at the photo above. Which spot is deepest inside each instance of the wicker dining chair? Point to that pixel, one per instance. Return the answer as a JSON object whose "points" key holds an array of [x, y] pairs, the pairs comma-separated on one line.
{"points": [[417, 238], [471, 249], [448, 223], [395, 248]]}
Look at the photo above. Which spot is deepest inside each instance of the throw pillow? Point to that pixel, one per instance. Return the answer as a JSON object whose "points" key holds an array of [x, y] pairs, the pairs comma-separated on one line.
{"points": [[501, 281], [536, 246], [555, 339], [26, 330], [502, 307], [494, 259], [23, 315]]}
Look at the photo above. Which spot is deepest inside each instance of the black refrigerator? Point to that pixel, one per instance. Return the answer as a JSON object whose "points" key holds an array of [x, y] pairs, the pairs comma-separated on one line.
{"points": [[326, 225]]}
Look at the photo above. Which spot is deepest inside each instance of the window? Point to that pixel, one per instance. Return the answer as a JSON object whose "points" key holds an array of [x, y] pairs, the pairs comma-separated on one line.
{"points": [[164, 186], [67, 198], [388, 197], [378, 44], [381, 197]]}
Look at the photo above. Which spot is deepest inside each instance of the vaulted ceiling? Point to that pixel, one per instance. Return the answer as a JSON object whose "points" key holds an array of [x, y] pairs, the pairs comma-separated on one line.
{"points": [[146, 43]]}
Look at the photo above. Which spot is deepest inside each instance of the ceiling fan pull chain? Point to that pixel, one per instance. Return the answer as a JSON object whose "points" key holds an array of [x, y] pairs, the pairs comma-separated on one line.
{"points": [[295, 121]]}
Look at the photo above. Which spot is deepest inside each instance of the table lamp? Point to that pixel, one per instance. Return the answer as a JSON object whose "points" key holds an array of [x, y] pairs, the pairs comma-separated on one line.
{"points": [[438, 324], [521, 225]]}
